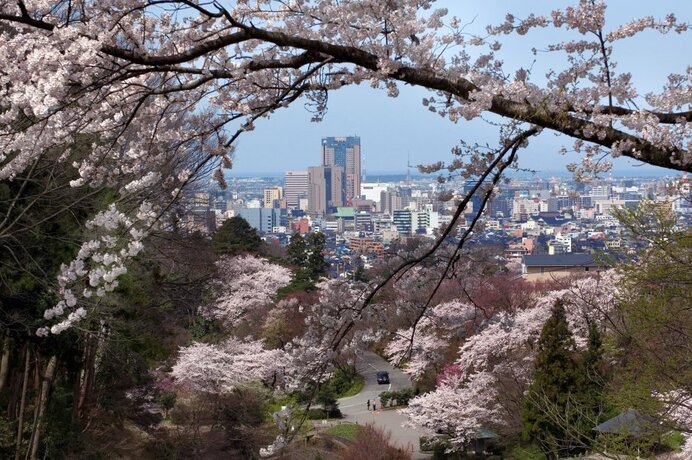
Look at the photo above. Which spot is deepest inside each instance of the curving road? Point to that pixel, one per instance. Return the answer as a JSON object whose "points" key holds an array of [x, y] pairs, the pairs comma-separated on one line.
{"points": [[355, 408]]}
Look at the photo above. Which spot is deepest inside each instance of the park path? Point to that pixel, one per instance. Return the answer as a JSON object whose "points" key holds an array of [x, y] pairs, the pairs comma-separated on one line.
{"points": [[354, 408]]}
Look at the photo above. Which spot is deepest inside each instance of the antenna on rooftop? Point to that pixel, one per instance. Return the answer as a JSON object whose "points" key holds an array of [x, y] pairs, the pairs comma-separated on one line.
{"points": [[408, 168]]}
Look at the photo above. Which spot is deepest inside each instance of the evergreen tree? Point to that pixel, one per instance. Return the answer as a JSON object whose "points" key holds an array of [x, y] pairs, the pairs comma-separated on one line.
{"points": [[315, 257], [307, 254], [594, 375], [236, 236], [593, 381], [297, 249], [548, 412]]}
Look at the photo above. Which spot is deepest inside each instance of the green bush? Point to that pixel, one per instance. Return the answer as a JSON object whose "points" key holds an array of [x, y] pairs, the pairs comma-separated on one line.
{"points": [[427, 443], [397, 397], [385, 397], [403, 396], [343, 380], [321, 414], [167, 401], [673, 440]]}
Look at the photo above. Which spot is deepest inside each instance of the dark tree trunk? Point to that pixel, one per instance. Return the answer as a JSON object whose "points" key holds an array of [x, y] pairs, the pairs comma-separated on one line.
{"points": [[48, 376], [22, 404]]}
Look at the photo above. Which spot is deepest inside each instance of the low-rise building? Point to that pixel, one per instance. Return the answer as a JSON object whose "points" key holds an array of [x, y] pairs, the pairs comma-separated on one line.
{"points": [[547, 267]]}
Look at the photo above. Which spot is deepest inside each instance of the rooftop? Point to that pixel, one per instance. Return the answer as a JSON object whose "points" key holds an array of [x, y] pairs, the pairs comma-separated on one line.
{"points": [[559, 260]]}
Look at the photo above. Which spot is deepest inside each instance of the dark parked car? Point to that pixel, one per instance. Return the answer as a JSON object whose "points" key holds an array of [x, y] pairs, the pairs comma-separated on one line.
{"points": [[383, 377]]}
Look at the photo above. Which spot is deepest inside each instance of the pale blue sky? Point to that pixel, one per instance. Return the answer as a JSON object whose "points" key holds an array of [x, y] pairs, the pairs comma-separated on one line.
{"points": [[391, 128]]}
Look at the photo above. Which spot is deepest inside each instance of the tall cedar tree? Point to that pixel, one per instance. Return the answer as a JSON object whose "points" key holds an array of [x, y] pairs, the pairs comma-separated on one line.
{"points": [[307, 254], [297, 250], [556, 379], [236, 236], [315, 259], [594, 381]]}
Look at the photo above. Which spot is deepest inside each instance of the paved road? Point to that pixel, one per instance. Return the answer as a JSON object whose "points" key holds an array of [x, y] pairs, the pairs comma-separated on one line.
{"points": [[355, 408]]}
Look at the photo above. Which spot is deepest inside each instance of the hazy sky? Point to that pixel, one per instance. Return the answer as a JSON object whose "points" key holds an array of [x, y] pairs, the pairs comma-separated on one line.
{"points": [[392, 128]]}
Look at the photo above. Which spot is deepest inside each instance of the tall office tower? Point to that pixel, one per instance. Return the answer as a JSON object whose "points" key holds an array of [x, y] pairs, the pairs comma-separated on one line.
{"points": [[344, 152], [390, 201], [272, 196], [325, 188], [295, 187]]}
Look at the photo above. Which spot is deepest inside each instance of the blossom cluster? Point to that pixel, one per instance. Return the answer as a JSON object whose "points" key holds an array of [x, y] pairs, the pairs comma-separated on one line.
{"points": [[117, 238], [244, 284], [498, 360]]}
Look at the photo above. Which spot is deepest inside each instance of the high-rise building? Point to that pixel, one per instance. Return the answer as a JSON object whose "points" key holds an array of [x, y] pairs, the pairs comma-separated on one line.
{"points": [[344, 152], [272, 196], [295, 187], [264, 219], [325, 188], [390, 201], [401, 219], [259, 218]]}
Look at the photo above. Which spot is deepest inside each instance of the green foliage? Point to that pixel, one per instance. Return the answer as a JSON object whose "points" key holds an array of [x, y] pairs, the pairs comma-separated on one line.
{"points": [[591, 395], [653, 321], [275, 405], [357, 384], [361, 275], [323, 414], [307, 254], [315, 258], [167, 401], [385, 397], [62, 434], [297, 249], [236, 236], [428, 443], [673, 440], [556, 379], [326, 396], [397, 397], [345, 381]]}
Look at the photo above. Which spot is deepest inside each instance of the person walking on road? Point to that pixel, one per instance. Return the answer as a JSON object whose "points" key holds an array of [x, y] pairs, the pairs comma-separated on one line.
{"points": [[368, 403], [374, 406]]}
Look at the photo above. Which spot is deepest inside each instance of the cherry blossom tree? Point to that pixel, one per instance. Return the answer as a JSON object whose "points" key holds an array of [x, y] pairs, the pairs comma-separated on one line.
{"points": [[244, 285], [220, 368], [421, 348], [495, 366], [149, 81]]}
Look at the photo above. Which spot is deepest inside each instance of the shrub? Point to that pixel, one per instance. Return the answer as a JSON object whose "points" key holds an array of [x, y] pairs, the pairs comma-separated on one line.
{"points": [[320, 414], [403, 396], [167, 401], [398, 397], [385, 397]]}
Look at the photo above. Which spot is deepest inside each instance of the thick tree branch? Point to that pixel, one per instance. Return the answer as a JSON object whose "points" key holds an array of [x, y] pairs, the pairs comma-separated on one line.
{"points": [[568, 121], [316, 50]]}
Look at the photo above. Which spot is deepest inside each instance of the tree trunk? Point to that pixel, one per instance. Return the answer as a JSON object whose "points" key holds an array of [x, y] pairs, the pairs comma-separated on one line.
{"points": [[22, 403], [88, 381], [48, 376], [4, 361]]}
